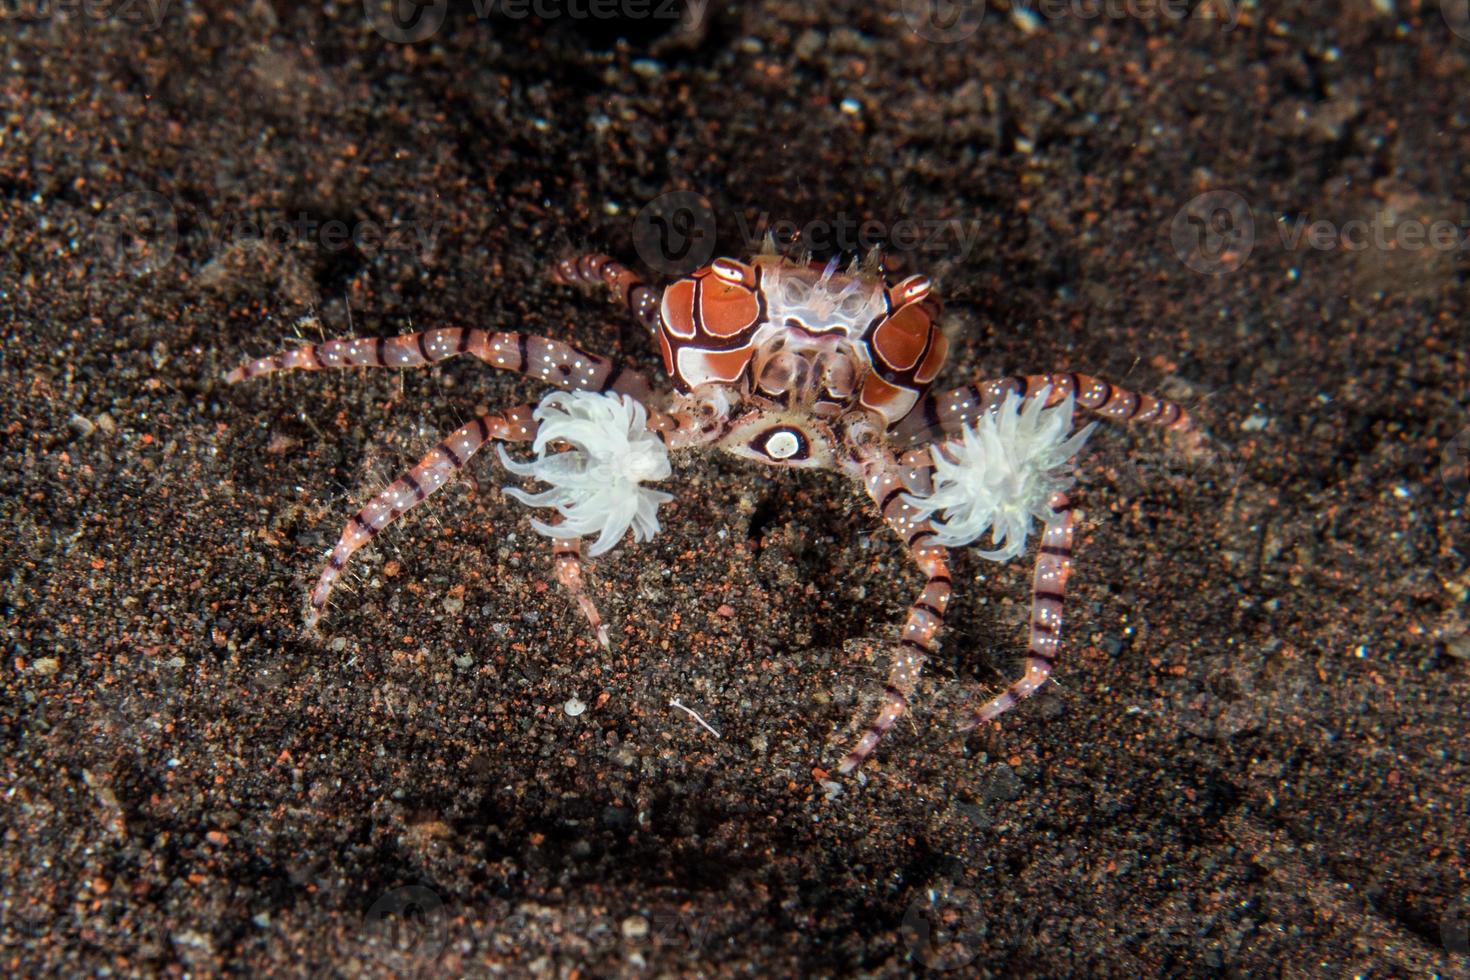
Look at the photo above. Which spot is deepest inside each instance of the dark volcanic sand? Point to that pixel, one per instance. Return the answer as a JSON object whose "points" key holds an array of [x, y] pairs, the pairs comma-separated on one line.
{"points": [[1256, 756]]}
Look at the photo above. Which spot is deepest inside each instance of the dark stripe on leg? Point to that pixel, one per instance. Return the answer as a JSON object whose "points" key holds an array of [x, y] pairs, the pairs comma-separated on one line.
{"points": [[918, 535]]}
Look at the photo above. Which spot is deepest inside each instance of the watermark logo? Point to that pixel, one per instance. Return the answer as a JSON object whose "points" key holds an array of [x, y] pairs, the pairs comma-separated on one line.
{"points": [[1454, 927], [675, 233], [1454, 467], [406, 928], [1214, 233], [1456, 14], [406, 21], [944, 21], [137, 233], [942, 927]]}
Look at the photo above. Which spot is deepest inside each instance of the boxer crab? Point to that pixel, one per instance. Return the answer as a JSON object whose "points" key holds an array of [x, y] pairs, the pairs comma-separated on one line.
{"points": [[784, 363]]}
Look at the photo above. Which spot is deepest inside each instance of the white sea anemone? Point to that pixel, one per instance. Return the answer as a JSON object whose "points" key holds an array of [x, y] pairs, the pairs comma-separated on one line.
{"points": [[595, 485], [1001, 473]]}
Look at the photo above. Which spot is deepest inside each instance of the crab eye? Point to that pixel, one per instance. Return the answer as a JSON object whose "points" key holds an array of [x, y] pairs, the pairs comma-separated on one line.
{"points": [[915, 289], [782, 444], [729, 272]]}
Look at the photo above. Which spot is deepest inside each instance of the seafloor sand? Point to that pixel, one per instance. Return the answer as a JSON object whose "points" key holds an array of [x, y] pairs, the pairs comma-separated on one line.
{"points": [[1256, 756]]}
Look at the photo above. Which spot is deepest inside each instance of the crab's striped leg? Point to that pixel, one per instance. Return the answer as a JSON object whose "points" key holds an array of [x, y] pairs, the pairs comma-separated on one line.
{"points": [[412, 488], [625, 285], [886, 480], [943, 414], [1048, 591], [568, 557], [538, 357]]}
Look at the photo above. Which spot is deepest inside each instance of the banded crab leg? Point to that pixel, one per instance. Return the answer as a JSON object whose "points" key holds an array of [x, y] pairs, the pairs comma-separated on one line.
{"points": [[568, 556], [538, 357], [939, 415], [425, 478], [1048, 591], [682, 426], [885, 481], [625, 285]]}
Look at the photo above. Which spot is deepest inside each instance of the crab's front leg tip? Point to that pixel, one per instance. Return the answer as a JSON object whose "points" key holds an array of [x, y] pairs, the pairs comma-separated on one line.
{"points": [[235, 377]]}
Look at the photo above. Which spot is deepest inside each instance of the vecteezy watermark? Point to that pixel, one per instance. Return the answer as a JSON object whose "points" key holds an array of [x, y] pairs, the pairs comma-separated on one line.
{"points": [[1454, 468], [137, 233], [147, 14], [942, 927], [1223, 12], [689, 11], [1384, 230], [332, 235], [409, 21], [843, 234], [406, 928], [944, 21], [1456, 14], [675, 232], [1214, 232]]}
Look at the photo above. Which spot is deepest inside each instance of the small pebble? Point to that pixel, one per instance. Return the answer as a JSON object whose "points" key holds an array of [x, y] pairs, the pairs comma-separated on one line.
{"points": [[635, 927], [1459, 646]]}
